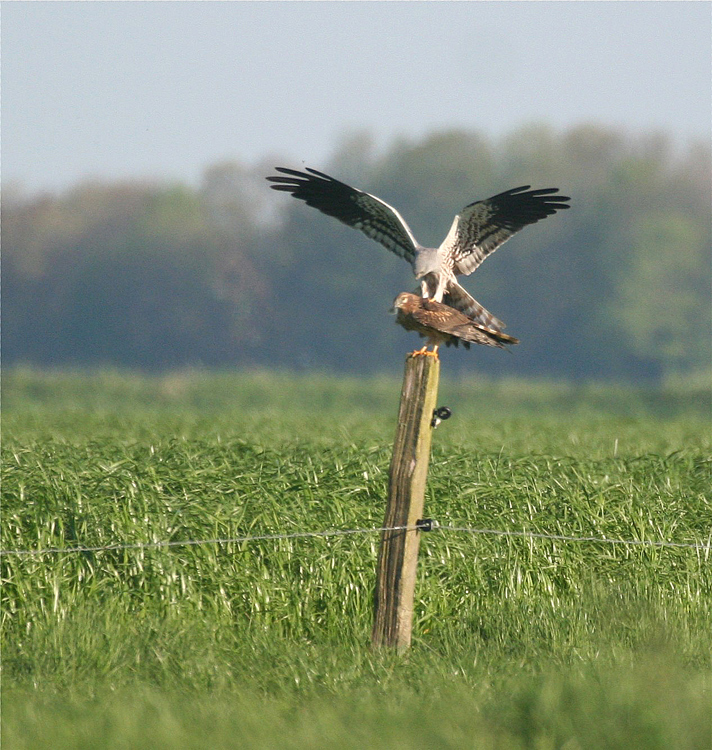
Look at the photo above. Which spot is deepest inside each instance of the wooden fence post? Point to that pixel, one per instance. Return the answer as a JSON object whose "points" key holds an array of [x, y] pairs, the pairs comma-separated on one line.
{"points": [[398, 553]]}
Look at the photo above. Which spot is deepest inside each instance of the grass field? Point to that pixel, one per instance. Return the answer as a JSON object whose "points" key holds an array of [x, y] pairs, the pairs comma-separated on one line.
{"points": [[518, 642]]}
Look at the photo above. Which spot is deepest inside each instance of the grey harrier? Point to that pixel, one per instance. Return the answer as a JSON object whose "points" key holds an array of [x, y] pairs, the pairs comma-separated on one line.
{"points": [[478, 230]]}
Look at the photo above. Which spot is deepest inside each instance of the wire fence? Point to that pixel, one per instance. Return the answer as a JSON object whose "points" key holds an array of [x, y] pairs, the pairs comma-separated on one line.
{"points": [[425, 525]]}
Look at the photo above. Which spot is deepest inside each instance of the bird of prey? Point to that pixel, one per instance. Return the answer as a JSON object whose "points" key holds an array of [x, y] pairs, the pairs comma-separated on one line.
{"points": [[478, 230], [441, 324]]}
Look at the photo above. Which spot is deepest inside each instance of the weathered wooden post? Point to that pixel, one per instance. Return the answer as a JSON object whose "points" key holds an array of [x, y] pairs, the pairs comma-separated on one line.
{"points": [[398, 553]]}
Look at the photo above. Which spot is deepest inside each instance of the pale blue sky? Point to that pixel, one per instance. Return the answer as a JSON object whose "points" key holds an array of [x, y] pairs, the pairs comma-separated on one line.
{"points": [[163, 89]]}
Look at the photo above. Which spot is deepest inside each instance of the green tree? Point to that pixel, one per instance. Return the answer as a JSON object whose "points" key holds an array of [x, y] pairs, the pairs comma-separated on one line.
{"points": [[158, 276], [662, 298]]}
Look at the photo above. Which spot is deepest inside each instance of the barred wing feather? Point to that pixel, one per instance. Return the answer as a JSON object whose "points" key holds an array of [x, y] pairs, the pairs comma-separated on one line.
{"points": [[374, 217], [481, 227]]}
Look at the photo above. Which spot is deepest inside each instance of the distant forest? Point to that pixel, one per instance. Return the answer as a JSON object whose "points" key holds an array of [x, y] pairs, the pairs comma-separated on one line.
{"points": [[157, 276]]}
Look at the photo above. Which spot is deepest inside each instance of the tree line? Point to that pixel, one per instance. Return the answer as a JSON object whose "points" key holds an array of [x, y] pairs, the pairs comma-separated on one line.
{"points": [[231, 274]]}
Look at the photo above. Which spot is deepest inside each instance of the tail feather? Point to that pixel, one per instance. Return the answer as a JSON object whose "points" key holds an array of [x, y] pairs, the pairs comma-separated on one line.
{"points": [[457, 297], [480, 335]]}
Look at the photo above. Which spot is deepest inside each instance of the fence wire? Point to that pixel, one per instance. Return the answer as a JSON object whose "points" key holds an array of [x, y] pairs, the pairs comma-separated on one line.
{"points": [[433, 526]]}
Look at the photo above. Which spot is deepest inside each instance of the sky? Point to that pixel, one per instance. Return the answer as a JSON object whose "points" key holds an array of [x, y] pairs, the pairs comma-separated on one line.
{"points": [[162, 90]]}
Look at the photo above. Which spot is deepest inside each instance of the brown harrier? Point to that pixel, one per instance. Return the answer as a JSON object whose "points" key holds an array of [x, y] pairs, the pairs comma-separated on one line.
{"points": [[478, 230], [441, 324]]}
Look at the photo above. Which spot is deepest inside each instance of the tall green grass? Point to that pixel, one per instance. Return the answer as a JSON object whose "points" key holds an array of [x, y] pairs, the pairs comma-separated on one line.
{"points": [[518, 642]]}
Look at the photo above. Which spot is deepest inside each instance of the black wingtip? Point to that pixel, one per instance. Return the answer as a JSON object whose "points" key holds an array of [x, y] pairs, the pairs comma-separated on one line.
{"points": [[291, 172], [319, 174], [296, 177]]}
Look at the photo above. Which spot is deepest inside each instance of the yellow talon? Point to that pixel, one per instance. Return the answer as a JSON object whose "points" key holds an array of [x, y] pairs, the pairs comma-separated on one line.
{"points": [[425, 353]]}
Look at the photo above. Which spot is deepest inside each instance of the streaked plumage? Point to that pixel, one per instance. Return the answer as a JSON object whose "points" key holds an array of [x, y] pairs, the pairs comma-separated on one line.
{"points": [[441, 324], [478, 230]]}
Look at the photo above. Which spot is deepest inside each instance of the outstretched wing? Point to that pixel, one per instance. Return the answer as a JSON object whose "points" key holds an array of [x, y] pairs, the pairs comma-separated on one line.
{"points": [[375, 218], [480, 228]]}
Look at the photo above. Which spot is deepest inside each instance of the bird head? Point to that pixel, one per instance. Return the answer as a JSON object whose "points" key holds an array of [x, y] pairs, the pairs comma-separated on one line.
{"points": [[402, 300], [427, 260]]}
